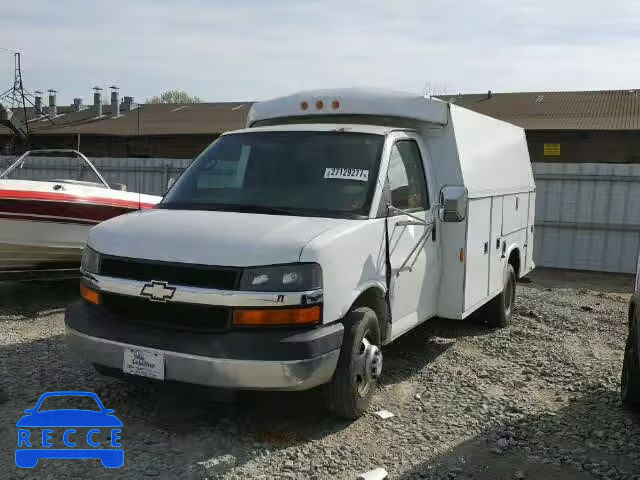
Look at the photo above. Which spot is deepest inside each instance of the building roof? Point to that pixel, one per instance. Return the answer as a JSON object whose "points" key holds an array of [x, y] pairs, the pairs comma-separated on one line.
{"points": [[154, 119], [588, 110]]}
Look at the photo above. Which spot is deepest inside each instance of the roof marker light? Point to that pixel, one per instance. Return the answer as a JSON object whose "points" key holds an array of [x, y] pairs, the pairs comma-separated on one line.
{"points": [[319, 104], [335, 104], [304, 105]]}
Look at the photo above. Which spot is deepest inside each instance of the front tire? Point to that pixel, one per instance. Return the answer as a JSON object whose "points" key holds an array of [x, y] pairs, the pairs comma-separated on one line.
{"points": [[500, 309], [630, 381], [359, 367]]}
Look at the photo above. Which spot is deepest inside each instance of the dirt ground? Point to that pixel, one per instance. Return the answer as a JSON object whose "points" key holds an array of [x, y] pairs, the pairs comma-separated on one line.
{"points": [[603, 282], [536, 400]]}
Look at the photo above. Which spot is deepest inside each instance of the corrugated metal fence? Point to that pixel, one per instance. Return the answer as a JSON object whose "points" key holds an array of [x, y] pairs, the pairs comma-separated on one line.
{"points": [[587, 215], [144, 175]]}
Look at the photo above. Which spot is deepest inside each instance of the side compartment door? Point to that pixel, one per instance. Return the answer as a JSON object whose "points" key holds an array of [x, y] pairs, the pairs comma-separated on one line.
{"points": [[496, 257], [477, 252], [529, 265], [413, 252]]}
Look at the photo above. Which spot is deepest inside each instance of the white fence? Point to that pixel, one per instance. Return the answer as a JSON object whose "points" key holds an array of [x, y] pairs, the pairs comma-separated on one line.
{"points": [[144, 175], [587, 215]]}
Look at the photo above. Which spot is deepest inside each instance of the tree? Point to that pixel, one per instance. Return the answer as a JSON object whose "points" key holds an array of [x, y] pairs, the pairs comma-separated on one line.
{"points": [[174, 96]]}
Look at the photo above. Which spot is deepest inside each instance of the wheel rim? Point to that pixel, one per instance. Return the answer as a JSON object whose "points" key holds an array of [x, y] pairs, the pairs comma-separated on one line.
{"points": [[368, 365], [509, 295]]}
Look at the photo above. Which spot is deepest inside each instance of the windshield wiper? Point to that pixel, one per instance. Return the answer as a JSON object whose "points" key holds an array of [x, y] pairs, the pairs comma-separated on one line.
{"points": [[272, 210]]}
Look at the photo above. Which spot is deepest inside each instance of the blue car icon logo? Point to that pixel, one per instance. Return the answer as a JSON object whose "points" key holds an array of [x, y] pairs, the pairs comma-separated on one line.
{"points": [[69, 433]]}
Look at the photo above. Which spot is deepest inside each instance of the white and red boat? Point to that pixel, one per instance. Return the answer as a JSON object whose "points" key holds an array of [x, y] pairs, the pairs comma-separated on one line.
{"points": [[44, 222]]}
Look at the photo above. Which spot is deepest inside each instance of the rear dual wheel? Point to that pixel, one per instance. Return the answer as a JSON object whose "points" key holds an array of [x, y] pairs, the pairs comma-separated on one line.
{"points": [[498, 311]]}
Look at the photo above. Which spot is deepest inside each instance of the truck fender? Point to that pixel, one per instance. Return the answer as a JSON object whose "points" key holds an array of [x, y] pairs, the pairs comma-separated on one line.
{"points": [[378, 285], [380, 307], [508, 251]]}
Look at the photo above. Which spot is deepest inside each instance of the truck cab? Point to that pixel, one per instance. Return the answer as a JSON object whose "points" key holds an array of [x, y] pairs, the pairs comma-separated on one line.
{"points": [[290, 252]]}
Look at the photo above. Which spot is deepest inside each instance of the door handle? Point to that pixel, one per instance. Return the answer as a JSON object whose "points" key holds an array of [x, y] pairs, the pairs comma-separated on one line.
{"points": [[57, 187]]}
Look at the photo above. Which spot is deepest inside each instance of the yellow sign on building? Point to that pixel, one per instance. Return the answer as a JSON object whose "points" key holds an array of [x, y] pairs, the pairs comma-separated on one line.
{"points": [[551, 149]]}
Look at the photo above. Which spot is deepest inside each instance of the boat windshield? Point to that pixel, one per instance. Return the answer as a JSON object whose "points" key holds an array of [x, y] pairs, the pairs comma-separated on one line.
{"points": [[305, 173], [51, 166]]}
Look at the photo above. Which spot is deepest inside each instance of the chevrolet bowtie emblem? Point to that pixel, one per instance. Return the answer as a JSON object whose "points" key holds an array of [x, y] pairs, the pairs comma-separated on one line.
{"points": [[158, 291]]}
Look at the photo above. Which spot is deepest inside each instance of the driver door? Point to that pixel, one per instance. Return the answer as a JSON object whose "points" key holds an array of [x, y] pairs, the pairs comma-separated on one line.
{"points": [[412, 242]]}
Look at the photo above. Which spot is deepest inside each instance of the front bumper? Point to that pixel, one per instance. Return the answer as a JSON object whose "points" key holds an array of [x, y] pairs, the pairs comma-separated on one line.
{"points": [[278, 359]]}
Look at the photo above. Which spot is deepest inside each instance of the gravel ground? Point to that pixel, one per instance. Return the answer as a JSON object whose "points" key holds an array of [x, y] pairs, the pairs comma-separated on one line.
{"points": [[536, 400]]}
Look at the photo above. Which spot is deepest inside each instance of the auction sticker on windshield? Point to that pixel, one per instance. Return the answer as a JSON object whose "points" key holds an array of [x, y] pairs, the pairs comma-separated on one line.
{"points": [[347, 174], [143, 362]]}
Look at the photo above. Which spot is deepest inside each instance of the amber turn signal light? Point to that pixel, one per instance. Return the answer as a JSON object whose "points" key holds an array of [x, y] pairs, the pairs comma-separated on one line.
{"points": [[279, 316], [89, 295]]}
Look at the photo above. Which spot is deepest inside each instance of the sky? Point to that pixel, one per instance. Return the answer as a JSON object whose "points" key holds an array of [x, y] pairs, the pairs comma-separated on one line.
{"points": [[253, 50]]}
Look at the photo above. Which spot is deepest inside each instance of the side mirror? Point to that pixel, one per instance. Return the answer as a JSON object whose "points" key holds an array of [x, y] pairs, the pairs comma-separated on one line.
{"points": [[118, 186], [29, 410], [453, 203], [109, 411]]}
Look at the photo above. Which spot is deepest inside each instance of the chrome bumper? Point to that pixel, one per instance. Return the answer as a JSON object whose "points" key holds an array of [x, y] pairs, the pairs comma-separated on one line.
{"points": [[216, 372]]}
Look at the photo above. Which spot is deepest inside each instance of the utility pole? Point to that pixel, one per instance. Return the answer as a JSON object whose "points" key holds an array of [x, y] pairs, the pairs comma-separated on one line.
{"points": [[15, 99]]}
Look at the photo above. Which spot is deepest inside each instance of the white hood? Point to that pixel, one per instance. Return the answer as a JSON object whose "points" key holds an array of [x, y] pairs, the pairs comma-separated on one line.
{"points": [[209, 238]]}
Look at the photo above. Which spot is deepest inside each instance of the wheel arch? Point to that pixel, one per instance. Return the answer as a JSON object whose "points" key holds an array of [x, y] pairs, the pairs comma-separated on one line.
{"points": [[514, 258], [373, 296]]}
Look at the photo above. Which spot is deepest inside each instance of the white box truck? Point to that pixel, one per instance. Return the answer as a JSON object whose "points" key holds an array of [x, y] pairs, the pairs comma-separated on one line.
{"points": [[290, 252]]}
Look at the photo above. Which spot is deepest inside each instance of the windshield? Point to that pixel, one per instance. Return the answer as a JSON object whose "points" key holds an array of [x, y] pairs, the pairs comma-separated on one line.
{"points": [[58, 167], [297, 173]]}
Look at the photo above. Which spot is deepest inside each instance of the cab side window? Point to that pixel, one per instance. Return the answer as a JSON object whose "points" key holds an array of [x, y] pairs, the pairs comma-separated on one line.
{"points": [[405, 177]]}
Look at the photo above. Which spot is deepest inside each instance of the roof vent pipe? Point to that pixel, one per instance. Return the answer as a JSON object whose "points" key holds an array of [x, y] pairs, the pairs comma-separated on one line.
{"points": [[489, 94], [97, 101], [53, 109], [128, 103], [77, 104], [38, 102], [115, 102]]}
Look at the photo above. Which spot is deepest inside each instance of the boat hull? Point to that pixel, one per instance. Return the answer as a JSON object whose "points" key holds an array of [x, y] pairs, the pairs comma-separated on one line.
{"points": [[37, 245]]}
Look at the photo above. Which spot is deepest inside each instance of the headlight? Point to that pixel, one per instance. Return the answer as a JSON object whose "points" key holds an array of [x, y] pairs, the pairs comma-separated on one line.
{"points": [[296, 277], [90, 261]]}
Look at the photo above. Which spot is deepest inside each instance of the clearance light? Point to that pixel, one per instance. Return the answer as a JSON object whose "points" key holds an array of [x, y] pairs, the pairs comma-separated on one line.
{"points": [[280, 316], [319, 104], [335, 104], [304, 105], [89, 295], [461, 255]]}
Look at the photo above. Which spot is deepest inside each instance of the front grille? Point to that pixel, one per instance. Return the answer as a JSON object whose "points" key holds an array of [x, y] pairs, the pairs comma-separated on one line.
{"points": [[170, 316], [204, 276]]}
